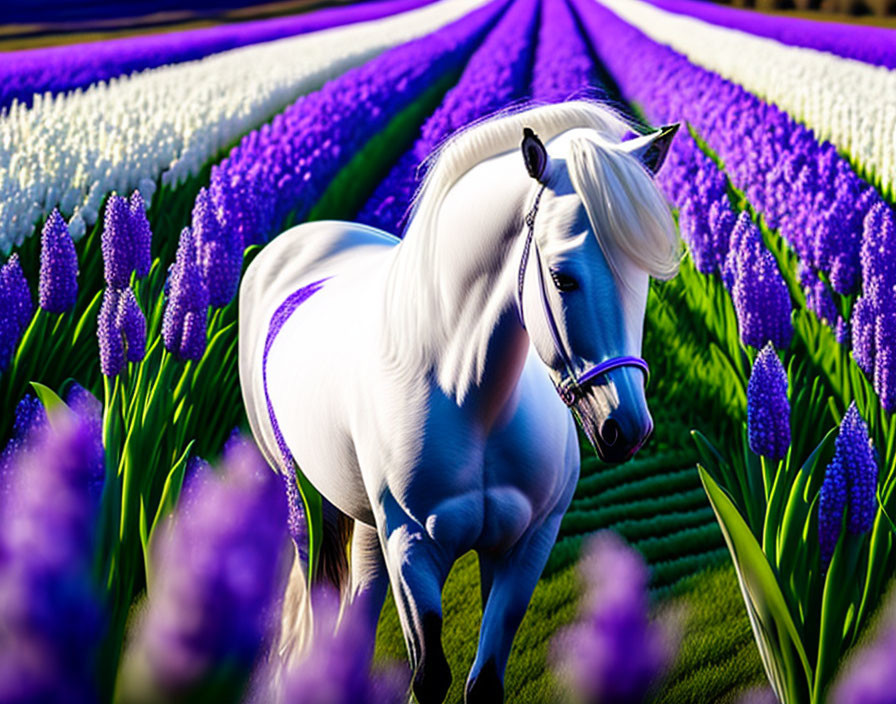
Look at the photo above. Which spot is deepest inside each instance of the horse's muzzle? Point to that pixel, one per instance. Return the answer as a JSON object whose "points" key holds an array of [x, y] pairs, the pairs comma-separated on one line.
{"points": [[617, 436]]}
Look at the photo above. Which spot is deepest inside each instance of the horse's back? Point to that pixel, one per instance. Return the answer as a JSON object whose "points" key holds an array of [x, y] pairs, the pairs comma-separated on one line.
{"points": [[295, 259]]}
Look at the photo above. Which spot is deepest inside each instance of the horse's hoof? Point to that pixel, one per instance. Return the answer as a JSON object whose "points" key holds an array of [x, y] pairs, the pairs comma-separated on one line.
{"points": [[432, 677], [486, 687]]}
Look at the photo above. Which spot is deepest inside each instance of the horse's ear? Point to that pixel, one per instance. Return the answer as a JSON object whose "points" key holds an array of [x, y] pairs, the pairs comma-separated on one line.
{"points": [[534, 154], [651, 149]]}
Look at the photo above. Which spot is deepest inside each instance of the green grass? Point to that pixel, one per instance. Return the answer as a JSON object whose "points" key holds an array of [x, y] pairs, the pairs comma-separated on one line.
{"points": [[717, 658]]}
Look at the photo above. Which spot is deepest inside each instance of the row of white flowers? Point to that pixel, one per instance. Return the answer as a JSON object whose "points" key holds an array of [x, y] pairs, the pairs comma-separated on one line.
{"points": [[850, 103], [71, 150]]}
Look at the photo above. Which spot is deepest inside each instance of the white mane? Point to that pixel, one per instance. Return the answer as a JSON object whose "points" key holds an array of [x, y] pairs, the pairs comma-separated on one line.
{"points": [[626, 209]]}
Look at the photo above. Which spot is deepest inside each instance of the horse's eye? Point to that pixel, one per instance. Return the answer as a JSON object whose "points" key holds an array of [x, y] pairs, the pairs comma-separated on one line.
{"points": [[564, 282]]}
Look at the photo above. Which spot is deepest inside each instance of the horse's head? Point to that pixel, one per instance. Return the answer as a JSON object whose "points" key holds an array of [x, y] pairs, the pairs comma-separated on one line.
{"points": [[597, 229]]}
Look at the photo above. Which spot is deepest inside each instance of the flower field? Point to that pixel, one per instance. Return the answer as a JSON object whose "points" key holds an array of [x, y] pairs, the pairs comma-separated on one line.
{"points": [[754, 532]]}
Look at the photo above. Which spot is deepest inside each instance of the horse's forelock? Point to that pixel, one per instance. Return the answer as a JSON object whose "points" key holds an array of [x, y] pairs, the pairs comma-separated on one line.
{"points": [[627, 211]]}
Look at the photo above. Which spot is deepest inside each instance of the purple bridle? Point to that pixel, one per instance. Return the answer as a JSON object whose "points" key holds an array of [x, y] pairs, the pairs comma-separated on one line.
{"points": [[571, 386]]}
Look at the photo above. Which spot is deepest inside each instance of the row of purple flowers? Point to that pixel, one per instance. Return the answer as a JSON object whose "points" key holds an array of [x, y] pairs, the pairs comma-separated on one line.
{"points": [[64, 68], [496, 75], [284, 167], [838, 225], [873, 45]]}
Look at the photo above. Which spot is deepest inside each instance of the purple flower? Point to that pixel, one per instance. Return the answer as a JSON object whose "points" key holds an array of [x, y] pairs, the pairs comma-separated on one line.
{"points": [[58, 288], [185, 319], [117, 243], [52, 622], [30, 416], [288, 164], [126, 240], [129, 319], [614, 653], [141, 234], [863, 328], [337, 668], [219, 251], [850, 483], [563, 67], [868, 676], [90, 410], [768, 410], [885, 357], [16, 308], [121, 330], [495, 76], [760, 295], [213, 592], [111, 343]]}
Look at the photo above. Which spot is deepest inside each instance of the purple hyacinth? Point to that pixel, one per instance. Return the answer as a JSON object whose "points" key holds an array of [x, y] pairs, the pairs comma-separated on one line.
{"points": [[289, 163], [495, 76], [614, 653], [818, 295], [850, 483], [16, 308], [90, 410], [563, 67], [337, 669], [58, 287], [116, 242], [121, 330], [141, 234], [867, 678], [126, 240], [768, 410], [885, 357], [30, 415], [111, 343], [52, 621], [213, 594], [863, 328], [219, 251], [129, 319], [185, 319], [799, 185], [760, 295]]}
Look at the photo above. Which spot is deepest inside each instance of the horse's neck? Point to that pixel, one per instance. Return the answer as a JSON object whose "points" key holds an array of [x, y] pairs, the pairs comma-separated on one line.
{"points": [[452, 298]]}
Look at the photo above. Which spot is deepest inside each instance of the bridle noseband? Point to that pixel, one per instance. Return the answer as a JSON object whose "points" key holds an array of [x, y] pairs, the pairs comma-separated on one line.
{"points": [[572, 386]]}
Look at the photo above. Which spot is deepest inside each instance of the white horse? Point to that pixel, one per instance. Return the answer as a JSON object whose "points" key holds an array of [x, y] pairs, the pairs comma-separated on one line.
{"points": [[415, 382]]}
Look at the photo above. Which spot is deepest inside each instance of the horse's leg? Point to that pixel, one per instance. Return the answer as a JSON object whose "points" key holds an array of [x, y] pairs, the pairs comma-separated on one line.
{"points": [[515, 576], [370, 580], [418, 567]]}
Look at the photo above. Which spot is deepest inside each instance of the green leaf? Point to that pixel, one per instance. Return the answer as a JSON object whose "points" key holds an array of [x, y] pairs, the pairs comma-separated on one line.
{"points": [[171, 490], [50, 399], [773, 626]]}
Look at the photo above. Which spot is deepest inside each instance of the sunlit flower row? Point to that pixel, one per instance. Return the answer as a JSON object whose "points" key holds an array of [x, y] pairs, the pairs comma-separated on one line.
{"points": [[70, 151]]}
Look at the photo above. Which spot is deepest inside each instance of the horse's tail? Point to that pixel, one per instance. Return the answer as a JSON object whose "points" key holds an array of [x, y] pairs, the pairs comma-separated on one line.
{"points": [[330, 570]]}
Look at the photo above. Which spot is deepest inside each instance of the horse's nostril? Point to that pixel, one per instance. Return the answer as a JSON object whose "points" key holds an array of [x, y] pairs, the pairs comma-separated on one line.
{"points": [[609, 432]]}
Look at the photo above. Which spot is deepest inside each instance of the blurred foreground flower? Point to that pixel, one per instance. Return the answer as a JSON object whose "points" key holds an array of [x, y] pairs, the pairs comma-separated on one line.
{"points": [[868, 676], [337, 668], [49, 608], [613, 655], [212, 589]]}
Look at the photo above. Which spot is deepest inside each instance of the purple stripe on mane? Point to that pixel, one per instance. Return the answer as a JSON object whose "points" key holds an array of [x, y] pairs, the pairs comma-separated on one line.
{"points": [[297, 523]]}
